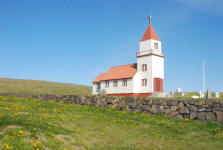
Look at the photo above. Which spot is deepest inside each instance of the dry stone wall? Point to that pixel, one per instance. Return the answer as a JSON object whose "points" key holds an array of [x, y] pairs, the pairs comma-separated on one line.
{"points": [[204, 110]]}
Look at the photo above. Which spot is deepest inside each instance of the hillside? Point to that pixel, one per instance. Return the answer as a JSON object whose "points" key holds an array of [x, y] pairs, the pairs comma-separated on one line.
{"points": [[35, 124], [42, 87]]}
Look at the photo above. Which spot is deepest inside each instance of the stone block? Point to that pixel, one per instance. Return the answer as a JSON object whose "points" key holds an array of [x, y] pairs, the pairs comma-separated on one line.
{"points": [[201, 116], [193, 102], [173, 108], [153, 109], [167, 111], [172, 103], [219, 115], [210, 116], [184, 110], [179, 116], [186, 116], [180, 105], [174, 113], [193, 115], [193, 108], [201, 109]]}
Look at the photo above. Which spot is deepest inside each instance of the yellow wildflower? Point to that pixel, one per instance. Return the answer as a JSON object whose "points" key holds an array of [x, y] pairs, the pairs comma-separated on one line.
{"points": [[186, 119]]}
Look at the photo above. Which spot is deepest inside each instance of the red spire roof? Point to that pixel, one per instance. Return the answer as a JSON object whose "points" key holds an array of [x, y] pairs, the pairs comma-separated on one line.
{"points": [[150, 34]]}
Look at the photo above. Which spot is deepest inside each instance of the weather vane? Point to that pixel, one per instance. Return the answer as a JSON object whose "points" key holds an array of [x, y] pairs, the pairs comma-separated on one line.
{"points": [[150, 18]]}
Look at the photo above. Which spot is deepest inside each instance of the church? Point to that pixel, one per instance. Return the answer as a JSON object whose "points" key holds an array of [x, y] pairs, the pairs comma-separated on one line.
{"points": [[139, 79]]}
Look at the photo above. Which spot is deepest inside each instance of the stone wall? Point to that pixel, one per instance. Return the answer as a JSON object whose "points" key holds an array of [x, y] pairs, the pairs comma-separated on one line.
{"points": [[204, 110]]}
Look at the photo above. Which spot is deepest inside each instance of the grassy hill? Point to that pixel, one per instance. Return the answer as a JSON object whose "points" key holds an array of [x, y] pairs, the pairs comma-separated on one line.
{"points": [[36, 124], [42, 87]]}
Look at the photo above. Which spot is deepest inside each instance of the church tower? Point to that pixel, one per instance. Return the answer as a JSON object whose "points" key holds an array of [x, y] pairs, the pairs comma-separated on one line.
{"points": [[150, 63]]}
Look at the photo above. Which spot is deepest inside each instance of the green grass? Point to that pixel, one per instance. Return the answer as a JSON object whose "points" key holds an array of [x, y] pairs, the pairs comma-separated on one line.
{"points": [[42, 87], [36, 124]]}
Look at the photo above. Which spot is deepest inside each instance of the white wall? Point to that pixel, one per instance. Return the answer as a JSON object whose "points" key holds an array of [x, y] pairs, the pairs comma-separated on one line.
{"points": [[149, 45], [157, 67], [95, 90], [137, 85], [115, 90]]}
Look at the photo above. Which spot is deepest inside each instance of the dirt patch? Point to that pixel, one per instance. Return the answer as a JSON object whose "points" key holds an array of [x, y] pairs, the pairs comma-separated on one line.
{"points": [[68, 140], [22, 113], [61, 137], [42, 137], [10, 127]]}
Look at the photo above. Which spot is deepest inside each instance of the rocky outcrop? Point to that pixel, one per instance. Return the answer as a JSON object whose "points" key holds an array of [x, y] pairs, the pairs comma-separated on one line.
{"points": [[203, 110]]}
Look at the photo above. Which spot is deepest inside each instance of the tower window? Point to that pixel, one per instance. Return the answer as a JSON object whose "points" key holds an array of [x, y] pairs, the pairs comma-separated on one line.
{"points": [[124, 82], [106, 84], [156, 46], [115, 83], [144, 67], [144, 82]]}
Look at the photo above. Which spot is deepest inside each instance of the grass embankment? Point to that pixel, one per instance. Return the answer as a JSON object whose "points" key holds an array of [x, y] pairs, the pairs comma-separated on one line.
{"points": [[42, 87], [37, 124]]}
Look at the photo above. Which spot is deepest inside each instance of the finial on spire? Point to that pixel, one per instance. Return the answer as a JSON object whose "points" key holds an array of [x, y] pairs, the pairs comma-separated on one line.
{"points": [[150, 18]]}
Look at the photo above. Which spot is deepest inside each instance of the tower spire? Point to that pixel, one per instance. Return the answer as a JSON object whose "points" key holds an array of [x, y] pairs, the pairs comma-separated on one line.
{"points": [[150, 33]]}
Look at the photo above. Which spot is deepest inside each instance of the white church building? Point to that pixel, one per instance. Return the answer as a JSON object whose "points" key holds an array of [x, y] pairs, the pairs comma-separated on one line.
{"points": [[139, 79]]}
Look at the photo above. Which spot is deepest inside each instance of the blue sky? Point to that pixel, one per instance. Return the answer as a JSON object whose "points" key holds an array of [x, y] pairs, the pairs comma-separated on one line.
{"points": [[73, 41]]}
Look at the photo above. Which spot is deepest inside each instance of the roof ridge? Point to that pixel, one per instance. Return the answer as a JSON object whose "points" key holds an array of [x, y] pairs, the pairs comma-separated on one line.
{"points": [[123, 65]]}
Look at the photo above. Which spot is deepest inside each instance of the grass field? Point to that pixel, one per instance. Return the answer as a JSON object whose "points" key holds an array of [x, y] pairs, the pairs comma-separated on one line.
{"points": [[36, 124], [42, 87], [188, 95]]}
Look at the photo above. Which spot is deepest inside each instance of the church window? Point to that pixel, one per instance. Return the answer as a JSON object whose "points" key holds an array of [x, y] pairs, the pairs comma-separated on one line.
{"points": [[106, 84], [144, 67], [144, 82], [98, 85], [124, 82], [115, 83], [155, 45]]}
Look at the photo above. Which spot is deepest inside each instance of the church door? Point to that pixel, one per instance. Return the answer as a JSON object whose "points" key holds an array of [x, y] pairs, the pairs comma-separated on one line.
{"points": [[158, 85]]}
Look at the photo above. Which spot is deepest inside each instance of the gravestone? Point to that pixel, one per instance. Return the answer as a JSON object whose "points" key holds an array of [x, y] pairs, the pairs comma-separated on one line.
{"points": [[209, 94], [168, 95], [195, 97], [217, 95], [172, 94], [201, 94], [179, 90]]}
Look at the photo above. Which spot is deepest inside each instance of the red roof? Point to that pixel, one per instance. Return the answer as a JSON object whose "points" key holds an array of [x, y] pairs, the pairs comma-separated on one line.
{"points": [[150, 34], [119, 72]]}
